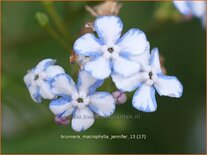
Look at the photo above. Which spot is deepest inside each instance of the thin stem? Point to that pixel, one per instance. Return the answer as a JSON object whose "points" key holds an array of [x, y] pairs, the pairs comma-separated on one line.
{"points": [[57, 19], [56, 36]]}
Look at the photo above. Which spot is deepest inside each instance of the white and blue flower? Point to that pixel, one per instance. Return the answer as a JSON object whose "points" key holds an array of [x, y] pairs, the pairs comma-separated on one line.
{"points": [[111, 53], [147, 81], [38, 79], [81, 101], [192, 8]]}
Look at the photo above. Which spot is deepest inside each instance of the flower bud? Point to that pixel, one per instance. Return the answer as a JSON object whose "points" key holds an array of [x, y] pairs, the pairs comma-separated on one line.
{"points": [[120, 97], [42, 18], [61, 121]]}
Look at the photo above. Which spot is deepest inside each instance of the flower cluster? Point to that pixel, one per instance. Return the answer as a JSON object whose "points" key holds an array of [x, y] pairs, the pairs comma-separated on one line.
{"points": [[127, 59]]}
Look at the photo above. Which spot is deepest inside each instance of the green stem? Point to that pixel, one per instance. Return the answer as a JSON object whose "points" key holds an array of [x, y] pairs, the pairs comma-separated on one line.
{"points": [[57, 20], [56, 36]]}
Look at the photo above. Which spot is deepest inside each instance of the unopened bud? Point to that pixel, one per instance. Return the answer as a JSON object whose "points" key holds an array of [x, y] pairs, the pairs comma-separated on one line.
{"points": [[61, 121], [42, 18], [120, 97]]}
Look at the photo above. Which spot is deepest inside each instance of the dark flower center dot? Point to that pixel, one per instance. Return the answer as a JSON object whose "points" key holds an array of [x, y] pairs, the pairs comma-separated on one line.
{"points": [[36, 77], [110, 49], [79, 100], [150, 75]]}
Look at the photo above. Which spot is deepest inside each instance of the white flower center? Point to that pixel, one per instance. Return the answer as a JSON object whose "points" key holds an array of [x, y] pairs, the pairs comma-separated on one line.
{"points": [[80, 100], [110, 51], [36, 77], [151, 75]]}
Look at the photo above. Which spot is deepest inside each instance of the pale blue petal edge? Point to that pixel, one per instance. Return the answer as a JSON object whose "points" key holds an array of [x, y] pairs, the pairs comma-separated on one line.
{"points": [[60, 101], [96, 110], [152, 94], [162, 76], [100, 34]]}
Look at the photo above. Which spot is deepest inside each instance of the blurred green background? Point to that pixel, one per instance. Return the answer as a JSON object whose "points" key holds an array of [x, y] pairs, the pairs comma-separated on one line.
{"points": [[178, 125]]}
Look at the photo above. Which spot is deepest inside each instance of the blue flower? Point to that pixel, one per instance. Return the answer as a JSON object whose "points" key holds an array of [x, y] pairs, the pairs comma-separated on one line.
{"points": [[111, 53], [38, 79], [81, 101], [192, 8], [147, 81]]}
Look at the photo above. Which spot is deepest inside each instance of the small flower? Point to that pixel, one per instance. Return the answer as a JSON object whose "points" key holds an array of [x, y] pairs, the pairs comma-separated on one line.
{"points": [[38, 79], [192, 8], [120, 97], [111, 53], [81, 101], [61, 120], [147, 81]]}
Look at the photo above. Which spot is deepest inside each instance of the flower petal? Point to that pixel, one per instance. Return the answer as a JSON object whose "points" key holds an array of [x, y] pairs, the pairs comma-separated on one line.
{"points": [[28, 78], [51, 71], [34, 93], [98, 68], [38, 90], [168, 86], [125, 67], [83, 118], [144, 99], [87, 45], [195, 8], [63, 85], [61, 107], [183, 7], [87, 83], [102, 103], [42, 65], [45, 90], [134, 42], [142, 59], [198, 8], [108, 28], [155, 60], [128, 83]]}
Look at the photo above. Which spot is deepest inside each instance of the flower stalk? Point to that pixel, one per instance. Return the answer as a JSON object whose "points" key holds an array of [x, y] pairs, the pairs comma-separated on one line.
{"points": [[43, 21], [56, 19]]}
